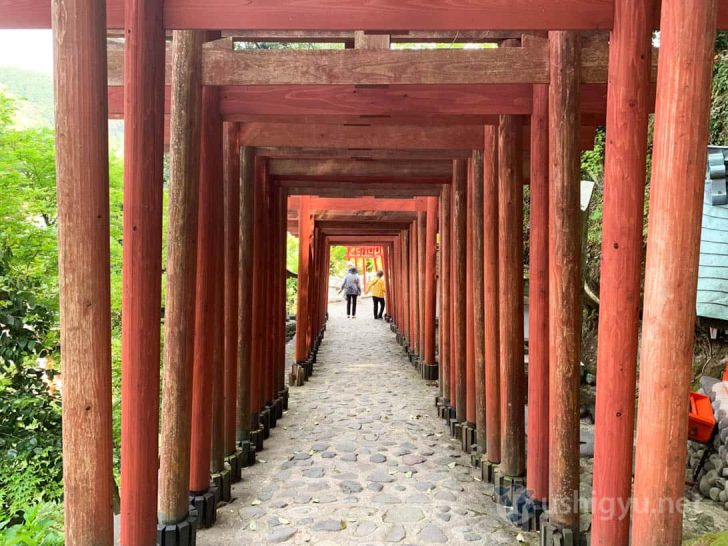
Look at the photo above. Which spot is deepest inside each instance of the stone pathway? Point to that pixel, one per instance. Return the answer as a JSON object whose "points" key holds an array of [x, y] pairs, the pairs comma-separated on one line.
{"points": [[361, 457]]}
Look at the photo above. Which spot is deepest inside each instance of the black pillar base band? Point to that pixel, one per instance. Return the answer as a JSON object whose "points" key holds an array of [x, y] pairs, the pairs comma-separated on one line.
{"points": [[246, 454], [233, 461], [456, 428], [508, 488], [284, 392], [430, 372], [278, 407], [183, 533], [265, 423], [221, 482], [476, 457], [530, 513], [553, 535], [272, 416], [468, 438], [488, 470], [206, 506], [256, 438]]}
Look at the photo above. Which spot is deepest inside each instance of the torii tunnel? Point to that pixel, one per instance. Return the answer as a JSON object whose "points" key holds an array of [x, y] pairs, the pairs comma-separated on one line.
{"points": [[422, 152]]}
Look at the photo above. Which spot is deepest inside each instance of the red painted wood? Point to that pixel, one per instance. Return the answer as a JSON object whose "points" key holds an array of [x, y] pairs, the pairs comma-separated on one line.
{"points": [[564, 275], [453, 348], [421, 270], [676, 204], [350, 15], [207, 355], [459, 303], [469, 332], [142, 269], [430, 280], [83, 221], [510, 303], [490, 283], [231, 171], [305, 234], [414, 297], [444, 326], [538, 301], [478, 299], [620, 290]]}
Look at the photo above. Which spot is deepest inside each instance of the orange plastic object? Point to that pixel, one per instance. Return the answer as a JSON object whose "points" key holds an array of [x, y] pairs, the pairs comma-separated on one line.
{"points": [[701, 418]]}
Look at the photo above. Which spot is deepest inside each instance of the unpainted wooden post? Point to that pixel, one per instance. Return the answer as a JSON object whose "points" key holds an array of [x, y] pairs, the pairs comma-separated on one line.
{"points": [[79, 39], [179, 323], [687, 36]]}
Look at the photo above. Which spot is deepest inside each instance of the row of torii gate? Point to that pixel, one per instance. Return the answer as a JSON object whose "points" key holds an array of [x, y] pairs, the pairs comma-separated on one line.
{"points": [[425, 126]]}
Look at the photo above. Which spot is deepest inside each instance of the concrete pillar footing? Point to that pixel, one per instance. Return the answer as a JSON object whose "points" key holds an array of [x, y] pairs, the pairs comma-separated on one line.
{"points": [[183, 533], [205, 504]]}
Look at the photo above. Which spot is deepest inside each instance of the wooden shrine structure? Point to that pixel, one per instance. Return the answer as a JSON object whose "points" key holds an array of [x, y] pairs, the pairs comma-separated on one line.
{"points": [[392, 148]]}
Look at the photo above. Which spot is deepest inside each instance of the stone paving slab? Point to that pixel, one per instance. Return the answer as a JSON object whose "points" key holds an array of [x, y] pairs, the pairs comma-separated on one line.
{"points": [[361, 457]]}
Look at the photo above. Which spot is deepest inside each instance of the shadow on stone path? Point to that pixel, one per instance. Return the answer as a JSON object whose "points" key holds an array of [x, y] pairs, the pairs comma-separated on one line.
{"points": [[361, 458]]}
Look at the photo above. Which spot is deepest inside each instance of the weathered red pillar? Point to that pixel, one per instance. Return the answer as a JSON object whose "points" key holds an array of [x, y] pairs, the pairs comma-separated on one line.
{"points": [[564, 276], [257, 377], [422, 221], [537, 463], [676, 202], [431, 281], [478, 303], [630, 53], [79, 38], [142, 268], [414, 296], [231, 170], [453, 342], [245, 295], [459, 303], [179, 323], [469, 333], [444, 326], [305, 240], [510, 302], [490, 287], [207, 354]]}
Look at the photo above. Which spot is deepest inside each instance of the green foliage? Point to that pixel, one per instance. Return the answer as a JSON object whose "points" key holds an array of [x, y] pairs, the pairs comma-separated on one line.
{"points": [[719, 98], [36, 88], [43, 527], [30, 442]]}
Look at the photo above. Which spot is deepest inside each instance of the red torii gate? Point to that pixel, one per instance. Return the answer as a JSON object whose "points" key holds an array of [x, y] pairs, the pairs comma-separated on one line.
{"points": [[360, 254]]}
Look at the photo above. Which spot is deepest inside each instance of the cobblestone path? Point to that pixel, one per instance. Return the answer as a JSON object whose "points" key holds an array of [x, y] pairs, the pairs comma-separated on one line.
{"points": [[361, 458]]}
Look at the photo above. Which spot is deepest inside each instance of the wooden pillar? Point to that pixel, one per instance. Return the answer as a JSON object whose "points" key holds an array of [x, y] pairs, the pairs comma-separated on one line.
{"points": [[142, 268], [404, 282], [469, 332], [537, 471], [245, 294], [444, 327], [564, 276], [414, 299], [453, 284], [630, 55], [179, 323], [478, 301], [282, 291], [207, 353], [431, 281], [305, 236], [676, 202], [79, 38], [490, 288], [232, 265], [422, 222], [510, 303], [459, 302]]}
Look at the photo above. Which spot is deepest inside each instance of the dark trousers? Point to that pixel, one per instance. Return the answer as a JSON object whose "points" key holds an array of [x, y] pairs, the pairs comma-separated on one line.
{"points": [[351, 304], [378, 307]]}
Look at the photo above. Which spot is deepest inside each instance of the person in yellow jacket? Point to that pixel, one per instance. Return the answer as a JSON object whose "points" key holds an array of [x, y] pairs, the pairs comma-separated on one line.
{"points": [[378, 288]]}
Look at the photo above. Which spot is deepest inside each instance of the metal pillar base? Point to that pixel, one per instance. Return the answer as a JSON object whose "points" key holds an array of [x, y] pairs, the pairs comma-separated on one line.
{"points": [[508, 488], [183, 533], [553, 535], [233, 461], [488, 470], [265, 423], [221, 481], [206, 506]]}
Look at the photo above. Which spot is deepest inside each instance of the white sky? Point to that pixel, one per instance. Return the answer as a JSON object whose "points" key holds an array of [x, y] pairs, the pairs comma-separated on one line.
{"points": [[29, 49]]}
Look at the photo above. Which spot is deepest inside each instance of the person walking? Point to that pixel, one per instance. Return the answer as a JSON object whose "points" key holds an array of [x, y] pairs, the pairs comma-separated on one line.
{"points": [[378, 290], [352, 289]]}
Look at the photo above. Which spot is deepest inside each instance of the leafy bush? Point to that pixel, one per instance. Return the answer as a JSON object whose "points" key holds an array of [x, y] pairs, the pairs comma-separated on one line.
{"points": [[43, 526]]}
